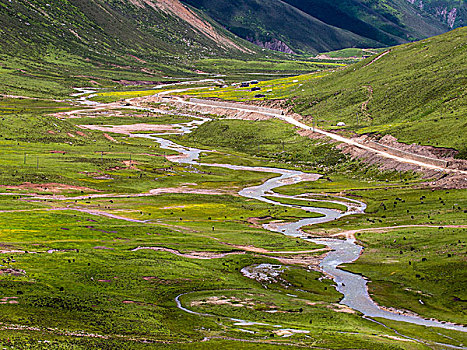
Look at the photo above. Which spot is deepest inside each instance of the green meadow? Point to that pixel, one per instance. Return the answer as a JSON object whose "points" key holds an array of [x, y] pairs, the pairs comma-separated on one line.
{"points": [[101, 232], [414, 92]]}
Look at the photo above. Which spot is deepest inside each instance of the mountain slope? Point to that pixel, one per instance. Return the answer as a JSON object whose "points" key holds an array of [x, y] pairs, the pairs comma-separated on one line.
{"points": [[415, 92], [312, 26], [451, 12], [48, 46], [269, 22], [98, 28]]}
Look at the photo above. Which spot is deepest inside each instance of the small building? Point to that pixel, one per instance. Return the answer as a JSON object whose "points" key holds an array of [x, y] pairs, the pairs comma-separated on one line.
{"points": [[341, 124]]}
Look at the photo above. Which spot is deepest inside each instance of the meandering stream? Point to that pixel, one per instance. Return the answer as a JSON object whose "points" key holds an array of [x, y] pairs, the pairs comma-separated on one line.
{"points": [[352, 286]]}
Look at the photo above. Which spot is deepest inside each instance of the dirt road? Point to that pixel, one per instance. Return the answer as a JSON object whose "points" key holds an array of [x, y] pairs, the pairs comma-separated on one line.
{"points": [[333, 136]]}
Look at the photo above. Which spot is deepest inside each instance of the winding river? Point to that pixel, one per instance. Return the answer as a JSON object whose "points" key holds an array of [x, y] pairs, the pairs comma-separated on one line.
{"points": [[352, 286]]}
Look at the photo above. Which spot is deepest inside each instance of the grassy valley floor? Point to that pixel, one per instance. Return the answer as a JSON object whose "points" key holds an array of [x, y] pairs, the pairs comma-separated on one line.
{"points": [[100, 232]]}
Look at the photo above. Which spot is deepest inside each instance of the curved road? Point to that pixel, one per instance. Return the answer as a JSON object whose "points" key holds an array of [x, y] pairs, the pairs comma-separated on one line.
{"points": [[333, 136]]}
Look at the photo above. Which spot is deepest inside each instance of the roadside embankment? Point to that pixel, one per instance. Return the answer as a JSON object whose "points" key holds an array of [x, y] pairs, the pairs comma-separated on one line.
{"points": [[369, 150]]}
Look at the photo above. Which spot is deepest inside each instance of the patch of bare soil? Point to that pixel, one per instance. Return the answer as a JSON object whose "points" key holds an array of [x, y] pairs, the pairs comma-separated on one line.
{"points": [[303, 177], [157, 191], [257, 222], [50, 251], [191, 255], [334, 307], [301, 260], [176, 8], [341, 308], [230, 301], [383, 163], [228, 113], [437, 178], [12, 272], [283, 105], [130, 164], [9, 300], [457, 181], [110, 138], [428, 151], [128, 129], [13, 251], [312, 135], [377, 58], [48, 187], [184, 189]]}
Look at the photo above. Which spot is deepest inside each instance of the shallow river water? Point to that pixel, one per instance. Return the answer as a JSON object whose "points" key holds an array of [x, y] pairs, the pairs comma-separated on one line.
{"points": [[352, 286]]}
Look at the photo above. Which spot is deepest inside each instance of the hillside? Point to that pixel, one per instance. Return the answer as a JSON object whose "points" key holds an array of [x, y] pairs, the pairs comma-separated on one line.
{"points": [[48, 45], [317, 25], [103, 29], [415, 92], [453, 12]]}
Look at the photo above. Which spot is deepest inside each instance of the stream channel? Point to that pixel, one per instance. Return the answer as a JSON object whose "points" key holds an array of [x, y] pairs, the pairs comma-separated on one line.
{"points": [[352, 286]]}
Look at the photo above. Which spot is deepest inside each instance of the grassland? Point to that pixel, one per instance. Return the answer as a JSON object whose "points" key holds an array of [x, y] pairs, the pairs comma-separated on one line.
{"points": [[405, 264], [412, 92], [353, 53], [101, 232], [419, 268], [82, 275], [396, 200]]}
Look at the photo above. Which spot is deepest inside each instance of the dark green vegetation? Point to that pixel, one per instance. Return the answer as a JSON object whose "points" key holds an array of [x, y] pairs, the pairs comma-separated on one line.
{"points": [[293, 25]]}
